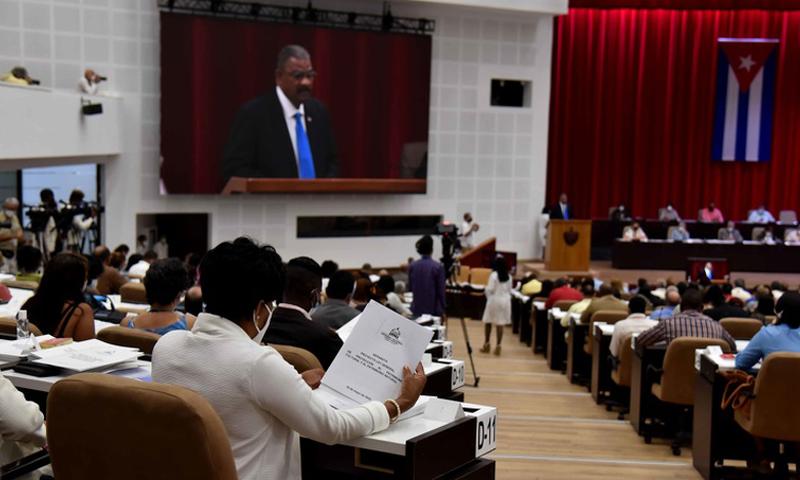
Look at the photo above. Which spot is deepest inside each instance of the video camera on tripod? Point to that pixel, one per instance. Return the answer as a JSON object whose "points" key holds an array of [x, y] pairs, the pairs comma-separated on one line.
{"points": [[450, 244], [70, 210], [39, 215]]}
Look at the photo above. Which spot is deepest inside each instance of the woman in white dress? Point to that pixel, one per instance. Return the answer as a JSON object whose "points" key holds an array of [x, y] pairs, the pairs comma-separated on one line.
{"points": [[498, 304]]}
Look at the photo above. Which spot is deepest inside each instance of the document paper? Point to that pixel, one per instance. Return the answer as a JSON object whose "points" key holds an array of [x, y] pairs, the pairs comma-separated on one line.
{"points": [[370, 364]]}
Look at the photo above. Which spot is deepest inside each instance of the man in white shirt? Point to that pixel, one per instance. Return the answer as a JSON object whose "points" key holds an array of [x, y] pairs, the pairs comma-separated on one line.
{"points": [[468, 228], [138, 270], [634, 232], [263, 402], [284, 133], [636, 322], [760, 215]]}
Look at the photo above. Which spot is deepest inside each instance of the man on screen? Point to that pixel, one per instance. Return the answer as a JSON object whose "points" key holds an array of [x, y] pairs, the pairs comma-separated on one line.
{"points": [[284, 133]]}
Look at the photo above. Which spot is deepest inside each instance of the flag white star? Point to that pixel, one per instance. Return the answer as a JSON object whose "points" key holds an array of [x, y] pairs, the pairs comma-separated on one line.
{"points": [[747, 62]]}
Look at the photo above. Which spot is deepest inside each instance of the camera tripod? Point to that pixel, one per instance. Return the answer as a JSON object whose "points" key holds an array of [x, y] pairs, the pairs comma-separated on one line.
{"points": [[452, 276]]}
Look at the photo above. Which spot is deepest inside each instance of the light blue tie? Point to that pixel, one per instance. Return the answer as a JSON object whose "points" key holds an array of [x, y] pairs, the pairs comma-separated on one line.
{"points": [[304, 158]]}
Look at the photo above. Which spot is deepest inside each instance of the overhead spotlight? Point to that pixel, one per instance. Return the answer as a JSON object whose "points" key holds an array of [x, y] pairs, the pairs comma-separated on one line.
{"points": [[171, 4], [388, 19], [214, 5], [296, 14], [351, 18], [255, 9], [311, 13]]}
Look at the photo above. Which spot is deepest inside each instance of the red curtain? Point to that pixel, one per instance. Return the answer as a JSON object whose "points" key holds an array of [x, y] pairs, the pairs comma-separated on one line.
{"points": [[632, 112], [375, 85]]}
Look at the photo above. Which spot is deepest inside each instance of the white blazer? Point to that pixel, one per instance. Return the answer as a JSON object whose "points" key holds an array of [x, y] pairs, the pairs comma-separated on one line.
{"points": [[263, 402]]}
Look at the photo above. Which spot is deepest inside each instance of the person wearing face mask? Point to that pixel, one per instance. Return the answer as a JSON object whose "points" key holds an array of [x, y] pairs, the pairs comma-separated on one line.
{"points": [[619, 214], [291, 322], [58, 307], [263, 402], [668, 214], [10, 234]]}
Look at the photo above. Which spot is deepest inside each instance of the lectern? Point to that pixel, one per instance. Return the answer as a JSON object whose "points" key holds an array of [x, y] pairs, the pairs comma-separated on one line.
{"points": [[568, 245]]}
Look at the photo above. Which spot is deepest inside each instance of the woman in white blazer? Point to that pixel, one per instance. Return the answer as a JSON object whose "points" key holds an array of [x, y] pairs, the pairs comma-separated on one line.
{"points": [[263, 402]]}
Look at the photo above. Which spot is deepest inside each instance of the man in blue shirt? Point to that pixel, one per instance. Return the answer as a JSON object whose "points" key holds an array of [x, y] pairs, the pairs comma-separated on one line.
{"points": [[426, 279], [673, 299]]}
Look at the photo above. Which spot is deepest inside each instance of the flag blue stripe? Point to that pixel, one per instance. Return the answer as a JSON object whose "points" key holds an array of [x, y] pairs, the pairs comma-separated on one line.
{"points": [[719, 106], [741, 126], [767, 105]]}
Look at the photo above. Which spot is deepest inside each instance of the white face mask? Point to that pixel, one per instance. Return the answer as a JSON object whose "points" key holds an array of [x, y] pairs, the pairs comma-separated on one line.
{"points": [[260, 332]]}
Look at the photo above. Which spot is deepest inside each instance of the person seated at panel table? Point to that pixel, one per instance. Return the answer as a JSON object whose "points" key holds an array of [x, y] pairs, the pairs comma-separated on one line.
{"points": [[58, 307], [263, 402], [791, 237], [760, 215], [562, 291], [29, 261], [688, 323], [711, 214], [634, 233], [783, 336], [719, 308], [668, 214], [606, 299], [291, 323], [336, 311], [620, 214], [165, 281], [679, 233], [767, 236], [636, 322], [730, 232]]}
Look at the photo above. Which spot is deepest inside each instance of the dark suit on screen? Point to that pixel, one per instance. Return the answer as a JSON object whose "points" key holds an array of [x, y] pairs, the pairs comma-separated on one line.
{"points": [[260, 146], [557, 214]]}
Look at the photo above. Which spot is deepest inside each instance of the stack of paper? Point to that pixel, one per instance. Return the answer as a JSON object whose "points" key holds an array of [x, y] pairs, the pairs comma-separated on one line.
{"points": [[87, 356], [370, 364], [18, 349]]}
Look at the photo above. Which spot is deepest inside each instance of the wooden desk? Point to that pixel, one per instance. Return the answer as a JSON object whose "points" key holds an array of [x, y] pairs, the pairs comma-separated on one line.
{"points": [[578, 361], [411, 449], [538, 328], [601, 368], [444, 378], [742, 257], [641, 399], [715, 434], [556, 346], [525, 314]]}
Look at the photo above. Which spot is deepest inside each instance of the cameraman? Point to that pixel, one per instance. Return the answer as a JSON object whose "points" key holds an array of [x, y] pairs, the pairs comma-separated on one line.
{"points": [[77, 218], [10, 234], [90, 81], [43, 223]]}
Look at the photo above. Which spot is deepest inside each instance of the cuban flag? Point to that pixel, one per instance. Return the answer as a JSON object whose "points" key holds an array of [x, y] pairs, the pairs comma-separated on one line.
{"points": [[745, 99]]}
